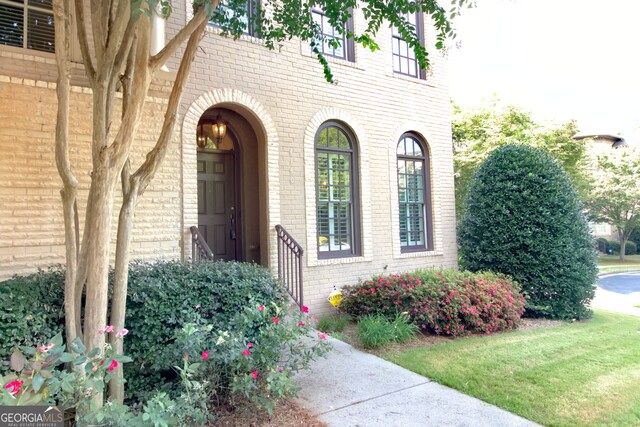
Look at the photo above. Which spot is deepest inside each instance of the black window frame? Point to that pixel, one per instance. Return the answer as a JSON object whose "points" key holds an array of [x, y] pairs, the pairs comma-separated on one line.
{"points": [[252, 11], [29, 13], [427, 219], [397, 40], [348, 45], [355, 224]]}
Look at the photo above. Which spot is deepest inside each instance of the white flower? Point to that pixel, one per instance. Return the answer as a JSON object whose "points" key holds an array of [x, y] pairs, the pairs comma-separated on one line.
{"points": [[220, 340]]}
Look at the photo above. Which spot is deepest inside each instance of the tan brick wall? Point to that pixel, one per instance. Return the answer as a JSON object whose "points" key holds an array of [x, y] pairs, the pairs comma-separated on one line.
{"points": [[31, 223], [285, 98], [286, 93]]}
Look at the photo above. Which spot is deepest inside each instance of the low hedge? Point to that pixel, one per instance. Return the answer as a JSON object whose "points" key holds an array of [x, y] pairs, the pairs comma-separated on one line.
{"points": [[161, 299], [445, 302], [31, 310], [630, 247]]}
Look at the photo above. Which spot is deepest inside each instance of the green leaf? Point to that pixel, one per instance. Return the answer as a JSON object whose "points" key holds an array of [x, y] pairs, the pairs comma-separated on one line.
{"points": [[37, 382], [93, 353], [45, 373], [80, 360], [77, 346], [17, 360], [66, 357]]}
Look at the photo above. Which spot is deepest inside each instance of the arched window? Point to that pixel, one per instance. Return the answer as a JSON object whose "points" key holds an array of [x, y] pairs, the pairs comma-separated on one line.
{"points": [[337, 192], [414, 195]]}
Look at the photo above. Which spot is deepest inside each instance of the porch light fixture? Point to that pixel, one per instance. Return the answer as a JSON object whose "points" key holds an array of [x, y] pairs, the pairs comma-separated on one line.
{"points": [[219, 129], [216, 131]]}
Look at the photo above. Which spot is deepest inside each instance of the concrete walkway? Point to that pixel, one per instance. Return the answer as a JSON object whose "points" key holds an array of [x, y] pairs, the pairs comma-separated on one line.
{"points": [[353, 388]]}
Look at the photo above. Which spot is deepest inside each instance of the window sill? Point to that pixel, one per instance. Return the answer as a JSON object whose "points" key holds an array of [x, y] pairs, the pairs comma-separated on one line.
{"points": [[418, 254], [336, 261], [211, 29], [305, 50], [416, 80]]}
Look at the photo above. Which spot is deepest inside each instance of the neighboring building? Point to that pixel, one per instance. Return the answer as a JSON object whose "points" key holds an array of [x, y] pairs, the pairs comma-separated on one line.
{"points": [[599, 145], [359, 173]]}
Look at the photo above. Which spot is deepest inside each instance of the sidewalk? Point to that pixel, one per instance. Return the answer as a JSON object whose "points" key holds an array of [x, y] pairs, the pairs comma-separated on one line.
{"points": [[353, 388]]}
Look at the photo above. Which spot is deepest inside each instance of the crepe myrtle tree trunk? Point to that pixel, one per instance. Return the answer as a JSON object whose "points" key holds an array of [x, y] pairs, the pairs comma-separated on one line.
{"points": [[114, 41], [118, 59]]}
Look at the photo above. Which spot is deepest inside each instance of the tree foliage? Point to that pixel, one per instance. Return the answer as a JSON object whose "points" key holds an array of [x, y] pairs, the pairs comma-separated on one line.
{"points": [[614, 196], [523, 218], [477, 133], [114, 41]]}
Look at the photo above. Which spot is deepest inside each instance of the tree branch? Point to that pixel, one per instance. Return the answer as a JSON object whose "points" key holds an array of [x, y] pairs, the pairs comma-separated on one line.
{"points": [[84, 44], [147, 170], [200, 17]]}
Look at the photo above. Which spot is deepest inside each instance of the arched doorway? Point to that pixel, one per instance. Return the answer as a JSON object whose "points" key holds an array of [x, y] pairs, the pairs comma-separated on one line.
{"points": [[229, 186]]}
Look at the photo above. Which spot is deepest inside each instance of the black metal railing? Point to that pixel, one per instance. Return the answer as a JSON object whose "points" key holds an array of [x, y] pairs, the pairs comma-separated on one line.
{"points": [[290, 264], [199, 247]]}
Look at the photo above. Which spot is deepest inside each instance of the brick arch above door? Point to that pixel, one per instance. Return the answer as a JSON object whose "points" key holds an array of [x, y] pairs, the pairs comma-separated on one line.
{"points": [[256, 114]]}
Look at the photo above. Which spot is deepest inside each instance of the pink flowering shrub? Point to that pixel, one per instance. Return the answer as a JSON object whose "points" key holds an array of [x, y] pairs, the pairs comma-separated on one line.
{"points": [[445, 302]]}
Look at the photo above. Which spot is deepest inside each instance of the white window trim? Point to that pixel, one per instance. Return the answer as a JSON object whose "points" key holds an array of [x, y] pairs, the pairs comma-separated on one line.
{"points": [[334, 114], [421, 132]]}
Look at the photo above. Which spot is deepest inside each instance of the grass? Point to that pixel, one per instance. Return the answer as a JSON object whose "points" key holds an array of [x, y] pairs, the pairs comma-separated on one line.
{"points": [[581, 374], [376, 331], [332, 323], [612, 263]]}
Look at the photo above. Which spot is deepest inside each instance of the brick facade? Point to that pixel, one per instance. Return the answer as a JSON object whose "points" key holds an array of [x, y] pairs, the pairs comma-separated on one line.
{"points": [[277, 100]]}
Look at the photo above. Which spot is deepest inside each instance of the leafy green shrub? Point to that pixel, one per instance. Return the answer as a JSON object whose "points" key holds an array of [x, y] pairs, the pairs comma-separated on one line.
{"points": [[635, 238], [602, 244], [523, 219], [446, 302], [332, 324], [375, 330], [630, 247], [161, 300], [31, 310]]}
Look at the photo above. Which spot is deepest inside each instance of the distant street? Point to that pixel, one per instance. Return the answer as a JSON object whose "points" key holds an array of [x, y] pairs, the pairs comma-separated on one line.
{"points": [[619, 292]]}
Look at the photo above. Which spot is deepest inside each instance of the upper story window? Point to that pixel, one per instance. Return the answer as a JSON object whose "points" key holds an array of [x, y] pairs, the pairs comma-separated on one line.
{"points": [[27, 24], [332, 42], [241, 13], [404, 58], [337, 192], [414, 198]]}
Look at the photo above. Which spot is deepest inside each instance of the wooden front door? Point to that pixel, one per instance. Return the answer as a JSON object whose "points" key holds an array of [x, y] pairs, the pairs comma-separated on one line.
{"points": [[217, 203]]}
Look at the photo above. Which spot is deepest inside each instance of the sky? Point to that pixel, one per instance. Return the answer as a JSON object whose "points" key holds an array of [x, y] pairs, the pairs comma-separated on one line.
{"points": [[558, 59]]}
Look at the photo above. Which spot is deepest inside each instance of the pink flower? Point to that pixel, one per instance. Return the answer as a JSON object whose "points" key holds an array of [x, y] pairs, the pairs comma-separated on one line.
{"points": [[14, 386], [102, 362], [254, 374], [186, 356], [322, 335], [197, 305], [279, 368], [101, 331], [250, 345], [261, 308], [276, 320], [122, 333], [305, 309], [246, 352], [108, 328], [205, 355], [113, 365], [46, 348], [300, 323]]}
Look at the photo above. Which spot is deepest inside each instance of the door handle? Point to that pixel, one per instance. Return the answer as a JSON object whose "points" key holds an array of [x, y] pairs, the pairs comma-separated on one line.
{"points": [[232, 224]]}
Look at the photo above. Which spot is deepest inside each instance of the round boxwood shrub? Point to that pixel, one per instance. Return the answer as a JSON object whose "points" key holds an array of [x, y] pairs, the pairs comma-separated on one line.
{"points": [[523, 219]]}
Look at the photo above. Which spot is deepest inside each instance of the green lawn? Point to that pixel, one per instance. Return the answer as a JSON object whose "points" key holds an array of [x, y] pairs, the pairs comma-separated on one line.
{"points": [[611, 263], [581, 374]]}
